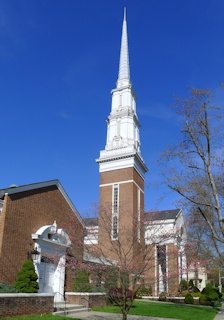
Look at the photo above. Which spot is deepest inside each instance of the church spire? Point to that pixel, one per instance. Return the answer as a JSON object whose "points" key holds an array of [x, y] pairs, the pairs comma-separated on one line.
{"points": [[122, 148], [124, 69]]}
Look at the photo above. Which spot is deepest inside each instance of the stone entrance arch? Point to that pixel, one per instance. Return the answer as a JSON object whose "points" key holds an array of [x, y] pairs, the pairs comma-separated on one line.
{"points": [[52, 243]]}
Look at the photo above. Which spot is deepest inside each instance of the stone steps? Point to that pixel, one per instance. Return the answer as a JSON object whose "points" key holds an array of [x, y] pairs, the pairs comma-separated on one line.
{"points": [[65, 309]]}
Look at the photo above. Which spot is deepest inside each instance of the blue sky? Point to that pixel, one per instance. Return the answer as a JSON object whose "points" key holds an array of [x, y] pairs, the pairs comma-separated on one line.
{"points": [[59, 62]]}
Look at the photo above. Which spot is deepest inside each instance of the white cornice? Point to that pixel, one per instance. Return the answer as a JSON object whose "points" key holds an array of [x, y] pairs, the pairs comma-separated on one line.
{"points": [[121, 182], [122, 162]]}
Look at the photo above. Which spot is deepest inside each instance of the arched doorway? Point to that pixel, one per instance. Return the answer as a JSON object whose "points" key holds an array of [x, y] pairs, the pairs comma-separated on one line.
{"points": [[52, 243]]}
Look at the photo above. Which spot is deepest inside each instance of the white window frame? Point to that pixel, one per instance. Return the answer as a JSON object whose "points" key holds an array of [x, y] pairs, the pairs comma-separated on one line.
{"points": [[139, 215], [115, 212]]}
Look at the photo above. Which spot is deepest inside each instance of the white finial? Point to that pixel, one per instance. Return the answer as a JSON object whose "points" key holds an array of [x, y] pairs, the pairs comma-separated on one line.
{"points": [[54, 227], [124, 13]]}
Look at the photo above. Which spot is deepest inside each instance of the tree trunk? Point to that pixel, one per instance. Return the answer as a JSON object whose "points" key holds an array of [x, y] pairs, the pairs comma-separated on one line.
{"points": [[124, 315]]}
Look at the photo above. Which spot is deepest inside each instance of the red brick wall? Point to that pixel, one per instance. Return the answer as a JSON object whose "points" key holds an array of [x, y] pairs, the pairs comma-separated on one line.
{"points": [[128, 211], [21, 304], [150, 269], [89, 300], [121, 175], [23, 214], [172, 268], [173, 272]]}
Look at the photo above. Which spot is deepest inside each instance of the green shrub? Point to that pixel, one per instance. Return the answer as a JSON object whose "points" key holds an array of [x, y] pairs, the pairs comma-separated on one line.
{"points": [[162, 296], [219, 293], [82, 282], [5, 288], [98, 289], [216, 304], [196, 294], [189, 299], [191, 283], [211, 293], [183, 285], [192, 287], [27, 278], [209, 286], [203, 300], [196, 290], [144, 292]]}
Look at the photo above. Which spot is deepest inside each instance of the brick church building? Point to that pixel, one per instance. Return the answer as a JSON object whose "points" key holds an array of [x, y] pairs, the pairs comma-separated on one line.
{"points": [[41, 216], [147, 245]]}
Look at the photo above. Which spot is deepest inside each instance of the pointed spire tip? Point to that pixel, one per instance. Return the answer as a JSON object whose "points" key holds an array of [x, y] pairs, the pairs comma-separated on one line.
{"points": [[124, 70]]}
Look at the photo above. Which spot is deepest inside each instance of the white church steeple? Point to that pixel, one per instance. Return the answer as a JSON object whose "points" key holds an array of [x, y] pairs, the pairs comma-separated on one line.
{"points": [[124, 69], [122, 148]]}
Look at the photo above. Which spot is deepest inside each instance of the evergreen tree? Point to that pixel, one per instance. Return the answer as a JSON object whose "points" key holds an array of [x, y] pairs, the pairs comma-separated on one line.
{"points": [[191, 284], [27, 278], [183, 285]]}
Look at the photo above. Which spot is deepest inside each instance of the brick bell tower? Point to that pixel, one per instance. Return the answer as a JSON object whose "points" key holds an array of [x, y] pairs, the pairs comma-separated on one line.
{"points": [[122, 168]]}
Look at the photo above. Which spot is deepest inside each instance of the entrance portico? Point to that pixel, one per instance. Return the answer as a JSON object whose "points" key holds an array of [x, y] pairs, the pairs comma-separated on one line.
{"points": [[52, 244]]}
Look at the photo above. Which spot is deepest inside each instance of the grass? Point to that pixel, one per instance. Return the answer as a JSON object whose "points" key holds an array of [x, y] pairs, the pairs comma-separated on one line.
{"points": [[176, 311], [153, 309], [43, 317]]}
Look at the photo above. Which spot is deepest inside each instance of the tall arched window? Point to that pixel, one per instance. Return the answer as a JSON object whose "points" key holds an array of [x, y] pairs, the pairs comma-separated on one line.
{"points": [[115, 205]]}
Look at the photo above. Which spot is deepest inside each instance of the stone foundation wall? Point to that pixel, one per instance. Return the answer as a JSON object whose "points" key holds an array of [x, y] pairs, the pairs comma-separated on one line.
{"points": [[89, 300], [20, 304]]}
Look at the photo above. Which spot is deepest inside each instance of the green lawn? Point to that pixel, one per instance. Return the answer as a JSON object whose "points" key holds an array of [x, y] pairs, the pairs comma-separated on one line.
{"points": [[43, 317], [176, 311], [153, 309]]}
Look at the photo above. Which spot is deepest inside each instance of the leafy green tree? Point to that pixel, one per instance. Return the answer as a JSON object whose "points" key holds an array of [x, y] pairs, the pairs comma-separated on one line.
{"points": [[82, 281], [27, 278]]}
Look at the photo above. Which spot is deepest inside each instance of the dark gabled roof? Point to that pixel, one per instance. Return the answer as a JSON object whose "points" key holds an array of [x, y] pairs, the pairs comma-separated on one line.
{"points": [[149, 216], [17, 189], [162, 215], [91, 222]]}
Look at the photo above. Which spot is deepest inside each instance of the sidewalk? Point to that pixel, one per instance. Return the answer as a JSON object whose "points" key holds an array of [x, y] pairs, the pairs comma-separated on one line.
{"points": [[94, 315], [220, 315]]}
